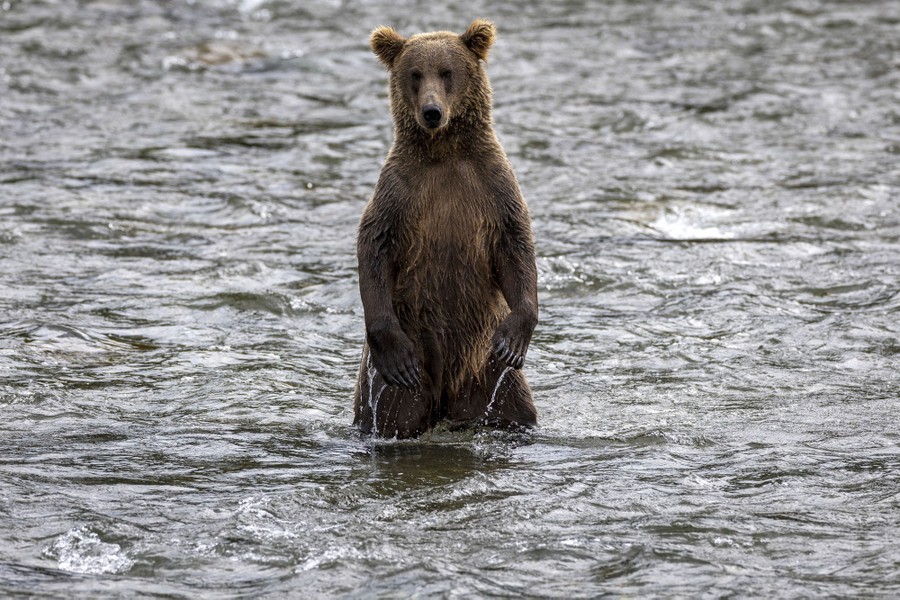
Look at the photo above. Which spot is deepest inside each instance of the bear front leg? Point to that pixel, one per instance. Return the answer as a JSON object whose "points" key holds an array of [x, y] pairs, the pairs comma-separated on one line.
{"points": [[517, 276], [515, 271], [393, 353]]}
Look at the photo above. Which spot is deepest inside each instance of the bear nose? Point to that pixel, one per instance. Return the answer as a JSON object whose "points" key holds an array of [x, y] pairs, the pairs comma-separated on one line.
{"points": [[432, 115]]}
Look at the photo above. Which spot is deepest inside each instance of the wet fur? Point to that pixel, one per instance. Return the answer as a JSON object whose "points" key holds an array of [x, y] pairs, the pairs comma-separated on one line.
{"points": [[445, 249]]}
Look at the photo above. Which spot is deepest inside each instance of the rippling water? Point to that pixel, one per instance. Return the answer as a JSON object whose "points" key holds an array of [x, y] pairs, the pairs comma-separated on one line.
{"points": [[714, 188]]}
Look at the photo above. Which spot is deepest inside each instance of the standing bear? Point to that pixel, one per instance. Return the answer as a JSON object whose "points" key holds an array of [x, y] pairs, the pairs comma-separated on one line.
{"points": [[446, 254]]}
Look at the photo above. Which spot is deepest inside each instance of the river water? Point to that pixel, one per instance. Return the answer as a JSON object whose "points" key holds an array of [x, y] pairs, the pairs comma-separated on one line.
{"points": [[714, 188]]}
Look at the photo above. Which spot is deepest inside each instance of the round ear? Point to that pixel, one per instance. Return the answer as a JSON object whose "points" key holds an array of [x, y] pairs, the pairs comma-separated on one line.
{"points": [[387, 44], [479, 37]]}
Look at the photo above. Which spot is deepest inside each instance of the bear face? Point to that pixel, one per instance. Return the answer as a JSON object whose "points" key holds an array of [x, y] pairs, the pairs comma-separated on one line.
{"points": [[435, 76]]}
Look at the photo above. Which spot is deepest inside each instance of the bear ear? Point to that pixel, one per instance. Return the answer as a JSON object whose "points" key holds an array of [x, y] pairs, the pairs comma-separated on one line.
{"points": [[387, 44], [479, 37]]}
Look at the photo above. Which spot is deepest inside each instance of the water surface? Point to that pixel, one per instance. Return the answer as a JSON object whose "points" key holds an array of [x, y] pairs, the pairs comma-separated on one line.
{"points": [[714, 188]]}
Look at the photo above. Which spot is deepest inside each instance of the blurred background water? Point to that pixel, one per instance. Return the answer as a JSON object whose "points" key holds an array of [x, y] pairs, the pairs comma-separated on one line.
{"points": [[714, 188]]}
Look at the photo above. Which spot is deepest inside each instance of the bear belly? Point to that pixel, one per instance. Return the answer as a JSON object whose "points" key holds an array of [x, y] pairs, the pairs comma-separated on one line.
{"points": [[448, 287], [447, 298]]}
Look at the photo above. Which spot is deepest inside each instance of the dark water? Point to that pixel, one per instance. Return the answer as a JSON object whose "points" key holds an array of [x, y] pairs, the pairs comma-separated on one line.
{"points": [[714, 188]]}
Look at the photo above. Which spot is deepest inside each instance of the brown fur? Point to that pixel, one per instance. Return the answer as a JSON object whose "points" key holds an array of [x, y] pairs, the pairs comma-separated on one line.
{"points": [[446, 254]]}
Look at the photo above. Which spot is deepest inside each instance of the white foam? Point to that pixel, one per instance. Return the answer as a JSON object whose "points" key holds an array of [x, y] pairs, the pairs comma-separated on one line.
{"points": [[80, 550], [677, 225], [330, 555]]}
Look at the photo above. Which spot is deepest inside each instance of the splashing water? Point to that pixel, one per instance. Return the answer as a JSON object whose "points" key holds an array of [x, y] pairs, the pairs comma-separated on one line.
{"points": [[373, 402], [500, 379], [374, 405], [80, 550], [371, 372]]}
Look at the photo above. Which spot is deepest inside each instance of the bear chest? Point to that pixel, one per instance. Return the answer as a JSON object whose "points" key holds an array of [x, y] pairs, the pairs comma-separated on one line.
{"points": [[452, 225]]}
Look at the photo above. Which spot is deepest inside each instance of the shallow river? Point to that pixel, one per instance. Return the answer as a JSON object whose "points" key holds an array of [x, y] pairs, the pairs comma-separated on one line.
{"points": [[714, 188]]}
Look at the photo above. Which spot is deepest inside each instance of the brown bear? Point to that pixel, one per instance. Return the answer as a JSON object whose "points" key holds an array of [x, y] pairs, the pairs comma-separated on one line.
{"points": [[446, 253]]}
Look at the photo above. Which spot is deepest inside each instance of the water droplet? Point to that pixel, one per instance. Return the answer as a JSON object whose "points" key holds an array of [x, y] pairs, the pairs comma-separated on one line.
{"points": [[496, 387]]}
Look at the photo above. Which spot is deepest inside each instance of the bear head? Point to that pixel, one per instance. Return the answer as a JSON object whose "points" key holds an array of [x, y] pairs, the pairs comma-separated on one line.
{"points": [[437, 77]]}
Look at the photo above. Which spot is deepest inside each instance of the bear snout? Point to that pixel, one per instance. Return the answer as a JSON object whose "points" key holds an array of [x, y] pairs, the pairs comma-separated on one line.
{"points": [[432, 115]]}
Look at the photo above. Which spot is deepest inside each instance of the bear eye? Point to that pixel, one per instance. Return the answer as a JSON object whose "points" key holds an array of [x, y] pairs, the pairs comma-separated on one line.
{"points": [[446, 74], [415, 78]]}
